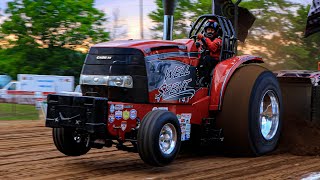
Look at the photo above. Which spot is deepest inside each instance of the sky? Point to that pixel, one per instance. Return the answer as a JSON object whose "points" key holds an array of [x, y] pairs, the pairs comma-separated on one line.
{"points": [[128, 14]]}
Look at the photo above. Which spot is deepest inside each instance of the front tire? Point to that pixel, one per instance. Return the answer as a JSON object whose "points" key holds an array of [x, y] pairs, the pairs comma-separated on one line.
{"points": [[69, 142], [251, 115], [159, 138]]}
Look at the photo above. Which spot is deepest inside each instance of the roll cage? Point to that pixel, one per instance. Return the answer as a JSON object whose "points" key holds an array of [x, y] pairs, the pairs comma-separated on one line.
{"points": [[228, 34]]}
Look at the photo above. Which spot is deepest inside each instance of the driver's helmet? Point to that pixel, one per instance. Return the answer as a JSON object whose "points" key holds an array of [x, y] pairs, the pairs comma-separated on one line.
{"points": [[212, 24]]}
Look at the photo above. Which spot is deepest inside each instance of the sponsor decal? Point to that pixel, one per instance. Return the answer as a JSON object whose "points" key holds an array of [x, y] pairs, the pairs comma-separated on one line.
{"points": [[128, 106], [118, 115], [183, 136], [183, 128], [184, 120], [188, 128], [178, 71], [118, 107], [173, 88], [125, 115], [123, 125], [112, 108], [186, 117], [111, 118], [133, 114], [160, 108]]}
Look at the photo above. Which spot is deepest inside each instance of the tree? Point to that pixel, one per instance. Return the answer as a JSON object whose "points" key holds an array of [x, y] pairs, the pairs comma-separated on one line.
{"points": [[279, 30], [30, 60], [47, 33], [277, 34], [182, 19], [48, 23], [302, 53]]}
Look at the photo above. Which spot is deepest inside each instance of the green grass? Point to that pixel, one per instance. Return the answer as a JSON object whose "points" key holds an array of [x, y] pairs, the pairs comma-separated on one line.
{"points": [[18, 112]]}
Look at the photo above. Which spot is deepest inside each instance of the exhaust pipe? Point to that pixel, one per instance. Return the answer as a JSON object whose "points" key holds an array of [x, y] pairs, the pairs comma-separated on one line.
{"points": [[168, 6]]}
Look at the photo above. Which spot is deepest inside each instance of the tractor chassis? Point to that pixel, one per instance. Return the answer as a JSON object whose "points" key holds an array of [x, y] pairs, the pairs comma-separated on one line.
{"points": [[90, 117]]}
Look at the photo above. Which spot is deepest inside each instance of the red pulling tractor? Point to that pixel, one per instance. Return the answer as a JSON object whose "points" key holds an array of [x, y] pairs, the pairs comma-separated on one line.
{"points": [[147, 92]]}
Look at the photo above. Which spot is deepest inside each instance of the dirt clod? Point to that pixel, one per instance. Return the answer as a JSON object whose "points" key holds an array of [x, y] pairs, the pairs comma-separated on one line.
{"points": [[300, 137]]}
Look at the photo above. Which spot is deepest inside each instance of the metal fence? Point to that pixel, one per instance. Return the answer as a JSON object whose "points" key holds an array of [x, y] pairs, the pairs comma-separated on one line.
{"points": [[14, 111]]}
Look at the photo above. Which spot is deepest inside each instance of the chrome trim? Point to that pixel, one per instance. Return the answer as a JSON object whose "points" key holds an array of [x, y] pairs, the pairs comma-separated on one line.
{"points": [[269, 115], [167, 27], [126, 81], [168, 138]]}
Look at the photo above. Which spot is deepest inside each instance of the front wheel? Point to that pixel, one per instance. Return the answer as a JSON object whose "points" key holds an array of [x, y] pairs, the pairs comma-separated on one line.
{"points": [[69, 142], [159, 138]]}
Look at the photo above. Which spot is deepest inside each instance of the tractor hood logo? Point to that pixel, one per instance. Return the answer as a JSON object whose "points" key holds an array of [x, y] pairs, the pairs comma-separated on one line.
{"points": [[104, 57], [175, 88]]}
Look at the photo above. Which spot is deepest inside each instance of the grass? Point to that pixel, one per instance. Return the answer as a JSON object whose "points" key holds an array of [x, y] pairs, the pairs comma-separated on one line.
{"points": [[18, 112]]}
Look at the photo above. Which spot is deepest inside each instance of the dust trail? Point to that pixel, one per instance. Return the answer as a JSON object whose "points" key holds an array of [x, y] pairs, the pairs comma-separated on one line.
{"points": [[300, 137]]}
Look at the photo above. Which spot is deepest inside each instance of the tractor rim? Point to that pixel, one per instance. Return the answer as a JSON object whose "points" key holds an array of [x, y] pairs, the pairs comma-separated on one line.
{"points": [[167, 138], [269, 115]]}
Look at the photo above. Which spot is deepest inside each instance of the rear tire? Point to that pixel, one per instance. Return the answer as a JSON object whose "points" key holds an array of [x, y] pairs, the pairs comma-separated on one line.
{"points": [[252, 102], [159, 138], [65, 142]]}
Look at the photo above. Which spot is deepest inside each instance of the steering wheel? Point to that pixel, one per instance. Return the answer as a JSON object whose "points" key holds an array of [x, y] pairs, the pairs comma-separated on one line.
{"points": [[203, 41]]}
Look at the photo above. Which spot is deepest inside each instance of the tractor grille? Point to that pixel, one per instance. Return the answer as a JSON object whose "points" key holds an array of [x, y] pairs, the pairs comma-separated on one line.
{"points": [[116, 62]]}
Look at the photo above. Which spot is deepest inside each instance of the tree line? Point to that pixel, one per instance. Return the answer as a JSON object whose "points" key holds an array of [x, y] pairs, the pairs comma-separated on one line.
{"points": [[276, 35], [45, 35]]}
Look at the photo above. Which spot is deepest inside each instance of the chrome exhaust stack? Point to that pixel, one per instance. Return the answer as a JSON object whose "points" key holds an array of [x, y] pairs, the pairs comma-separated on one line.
{"points": [[168, 6]]}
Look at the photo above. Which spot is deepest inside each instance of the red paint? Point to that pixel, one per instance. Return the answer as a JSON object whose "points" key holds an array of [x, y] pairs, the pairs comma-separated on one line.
{"points": [[198, 109], [186, 45], [222, 74]]}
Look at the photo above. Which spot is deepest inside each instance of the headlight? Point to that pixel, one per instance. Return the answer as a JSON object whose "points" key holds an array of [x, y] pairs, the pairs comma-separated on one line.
{"points": [[118, 81]]}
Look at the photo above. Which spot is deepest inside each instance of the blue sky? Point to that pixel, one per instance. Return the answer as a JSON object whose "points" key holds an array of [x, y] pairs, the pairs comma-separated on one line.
{"points": [[129, 14]]}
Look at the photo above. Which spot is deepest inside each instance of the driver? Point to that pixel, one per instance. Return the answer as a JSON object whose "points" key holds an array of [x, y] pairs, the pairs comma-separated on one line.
{"points": [[213, 42]]}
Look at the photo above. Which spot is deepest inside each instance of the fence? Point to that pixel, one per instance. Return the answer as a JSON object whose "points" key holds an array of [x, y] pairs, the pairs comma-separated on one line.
{"points": [[22, 106], [10, 111]]}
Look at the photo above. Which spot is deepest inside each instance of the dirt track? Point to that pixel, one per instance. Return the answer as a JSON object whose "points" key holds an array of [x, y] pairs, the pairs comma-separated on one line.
{"points": [[27, 152]]}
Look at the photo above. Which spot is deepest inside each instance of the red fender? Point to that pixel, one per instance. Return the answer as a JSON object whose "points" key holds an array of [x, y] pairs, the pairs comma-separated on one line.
{"points": [[222, 74]]}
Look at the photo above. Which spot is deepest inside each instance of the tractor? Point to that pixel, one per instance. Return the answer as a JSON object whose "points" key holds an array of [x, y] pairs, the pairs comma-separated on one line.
{"points": [[144, 96]]}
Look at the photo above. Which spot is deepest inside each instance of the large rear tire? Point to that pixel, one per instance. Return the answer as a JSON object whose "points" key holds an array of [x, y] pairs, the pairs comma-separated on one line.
{"points": [[251, 115], [159, 138], [69, 142]]}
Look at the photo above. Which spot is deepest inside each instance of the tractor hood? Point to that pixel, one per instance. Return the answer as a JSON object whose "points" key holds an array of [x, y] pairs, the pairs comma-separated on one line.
{"points": [[133, 70], [149, 46]]}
